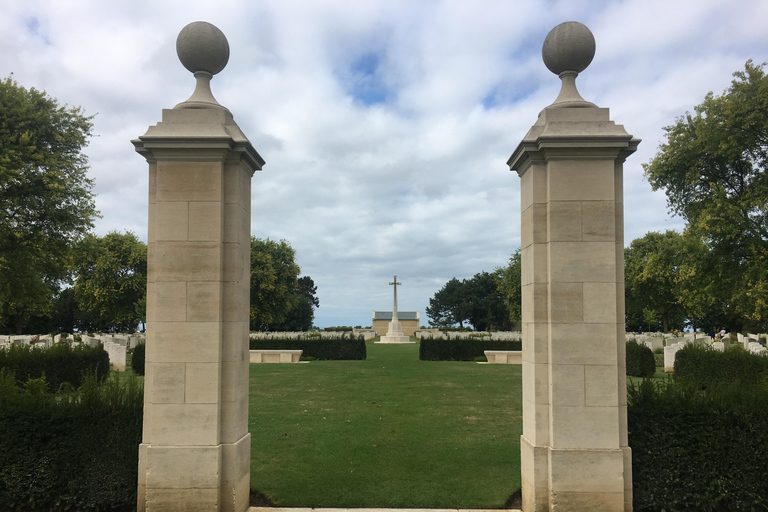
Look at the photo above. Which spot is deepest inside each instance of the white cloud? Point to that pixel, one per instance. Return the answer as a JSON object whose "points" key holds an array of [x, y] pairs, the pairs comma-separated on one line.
{"points": [[386, 125]]}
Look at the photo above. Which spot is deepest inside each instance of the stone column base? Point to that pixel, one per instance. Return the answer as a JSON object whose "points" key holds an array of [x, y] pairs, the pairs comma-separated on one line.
{"points": [[395, 339], [534, 476], [195, 478], [575, 480]]}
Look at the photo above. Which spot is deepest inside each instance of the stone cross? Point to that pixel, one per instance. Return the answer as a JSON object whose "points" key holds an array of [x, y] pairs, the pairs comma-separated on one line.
{"points": [[394, 301], [395, 331]]}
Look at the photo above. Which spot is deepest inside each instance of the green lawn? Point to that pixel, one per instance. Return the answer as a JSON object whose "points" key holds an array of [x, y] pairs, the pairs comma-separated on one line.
{"points": [[390, 431]]}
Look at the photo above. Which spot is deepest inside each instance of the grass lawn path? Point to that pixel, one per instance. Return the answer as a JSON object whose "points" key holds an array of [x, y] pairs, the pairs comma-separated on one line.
{"points": [[390, 431]]}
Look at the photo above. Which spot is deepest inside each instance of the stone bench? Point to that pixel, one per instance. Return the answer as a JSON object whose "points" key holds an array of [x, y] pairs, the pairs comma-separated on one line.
{"points": [[504, 356], [275, 356]]}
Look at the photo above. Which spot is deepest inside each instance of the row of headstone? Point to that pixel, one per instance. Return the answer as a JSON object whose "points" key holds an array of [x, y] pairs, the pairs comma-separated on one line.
{"points": [[656, 340], [116, 345], [480, 335], [367, 334], [130, 340], [295, 335], [750, 343], [688, 335], [25, 340]]}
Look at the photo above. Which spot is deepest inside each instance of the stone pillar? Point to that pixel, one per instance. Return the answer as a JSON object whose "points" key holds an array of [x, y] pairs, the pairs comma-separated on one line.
{"points": [[195, 450], [574, 450]]}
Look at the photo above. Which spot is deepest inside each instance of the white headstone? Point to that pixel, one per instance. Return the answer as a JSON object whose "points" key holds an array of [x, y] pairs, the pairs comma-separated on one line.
{"points": [[670, 352], [116, 353]]}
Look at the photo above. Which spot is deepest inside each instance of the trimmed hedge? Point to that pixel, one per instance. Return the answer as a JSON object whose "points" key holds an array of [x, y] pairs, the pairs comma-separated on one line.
{"points": [[138, 358], [704, 365], [72, 450], [640, 360], [461, 349], [350, 348], [695, 450], [62, 363]]}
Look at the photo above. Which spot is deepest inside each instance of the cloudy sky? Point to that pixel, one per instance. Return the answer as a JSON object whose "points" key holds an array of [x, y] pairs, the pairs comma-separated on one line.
{"points": [[385, 124]]}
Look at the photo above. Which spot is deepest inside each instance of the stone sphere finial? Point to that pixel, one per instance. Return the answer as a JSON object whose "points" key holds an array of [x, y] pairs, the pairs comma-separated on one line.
{"points": [[568, 49], [202, 47], [204, 50], [570, 46]]}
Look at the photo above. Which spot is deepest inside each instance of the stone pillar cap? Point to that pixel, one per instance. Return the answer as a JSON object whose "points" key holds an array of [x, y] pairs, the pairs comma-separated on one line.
{"points": [[567, 51], [202, 49]]}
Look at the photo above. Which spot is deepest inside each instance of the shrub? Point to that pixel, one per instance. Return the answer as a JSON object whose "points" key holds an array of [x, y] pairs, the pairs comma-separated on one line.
{"points": [[640, 360], [346, 348], [703, 366], [139, 357], [461, 349], [659, 360], [72, 450], [60, 364], [698, 450], [338, 328]]}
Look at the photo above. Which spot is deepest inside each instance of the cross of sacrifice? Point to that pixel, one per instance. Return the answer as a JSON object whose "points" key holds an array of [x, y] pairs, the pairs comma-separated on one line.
{"points": [[394, 302]]}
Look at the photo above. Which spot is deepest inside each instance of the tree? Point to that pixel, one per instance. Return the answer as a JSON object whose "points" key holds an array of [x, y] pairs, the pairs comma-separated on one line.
{"points": [[485, 307], [713, 169], [476, 300], [45, 198], [509, 283], [447, 306], [274, 280], [111, 281], [302, 314], [673, 280], [653, 280]]}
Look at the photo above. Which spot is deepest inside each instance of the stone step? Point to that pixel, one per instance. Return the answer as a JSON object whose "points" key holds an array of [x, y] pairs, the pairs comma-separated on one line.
{"points": [[308, 509]]}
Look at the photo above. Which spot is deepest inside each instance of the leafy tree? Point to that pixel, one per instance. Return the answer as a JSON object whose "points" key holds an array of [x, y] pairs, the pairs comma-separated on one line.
{"points": [[28, 281], [675, 279], [476, 300], [447, 307], [652, 280], [485, 306], [274, 280], [111, 281], [509, 283], [713, 169], [302, 314], [45, 198]]}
